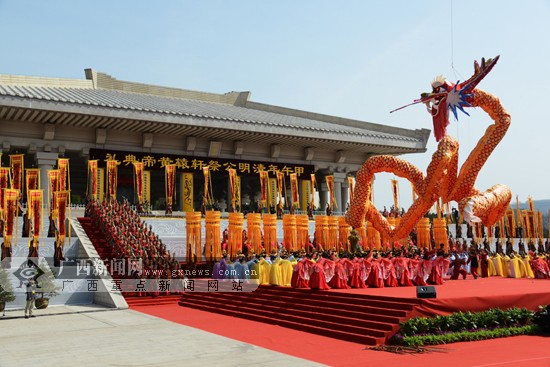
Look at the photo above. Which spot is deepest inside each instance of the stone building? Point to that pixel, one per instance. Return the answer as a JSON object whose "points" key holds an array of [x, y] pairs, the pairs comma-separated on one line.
{"points": [[100, 117]]}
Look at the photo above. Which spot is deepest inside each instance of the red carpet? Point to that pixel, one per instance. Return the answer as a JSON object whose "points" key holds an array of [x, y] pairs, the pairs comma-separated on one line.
{"points": [[522, 351]]}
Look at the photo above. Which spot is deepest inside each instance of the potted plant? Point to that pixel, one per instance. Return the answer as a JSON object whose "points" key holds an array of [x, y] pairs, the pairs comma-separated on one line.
{"points": [[6, 290], [46, 286]]}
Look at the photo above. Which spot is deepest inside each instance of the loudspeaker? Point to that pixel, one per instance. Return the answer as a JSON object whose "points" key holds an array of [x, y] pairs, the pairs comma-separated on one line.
{"points": [[427, 291]]}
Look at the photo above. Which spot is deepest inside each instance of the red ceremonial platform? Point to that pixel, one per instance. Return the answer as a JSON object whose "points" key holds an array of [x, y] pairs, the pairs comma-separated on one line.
{"points": [[368, 316]]}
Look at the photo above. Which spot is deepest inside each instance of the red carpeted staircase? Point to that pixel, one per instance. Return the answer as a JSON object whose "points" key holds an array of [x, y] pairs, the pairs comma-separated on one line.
{"points": [[352, 317], [105, 252]]}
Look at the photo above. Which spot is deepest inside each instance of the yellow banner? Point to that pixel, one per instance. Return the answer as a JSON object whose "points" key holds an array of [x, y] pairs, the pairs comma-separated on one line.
{"points": [[187, 192], [4, 184], [330, 184], [206, 198], [264, 187], [306, 193]]}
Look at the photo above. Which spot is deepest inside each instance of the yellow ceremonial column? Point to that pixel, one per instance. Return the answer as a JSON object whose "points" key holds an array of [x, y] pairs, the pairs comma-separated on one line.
{"points": [[332, 232], [270, 233], [235, 234], [254, 231], [321, 231], [343, 233], [423, 233], [213, 247], [373, 237], [302, 232], [289, 230], [440, 233], [193, 228]]}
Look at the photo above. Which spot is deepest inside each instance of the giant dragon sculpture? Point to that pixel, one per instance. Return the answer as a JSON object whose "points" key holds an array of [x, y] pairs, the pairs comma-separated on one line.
{"points": [[443, 180]]}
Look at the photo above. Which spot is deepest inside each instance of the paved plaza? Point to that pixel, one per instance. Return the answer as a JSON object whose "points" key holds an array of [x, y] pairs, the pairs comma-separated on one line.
{"points": [[94, 336]]}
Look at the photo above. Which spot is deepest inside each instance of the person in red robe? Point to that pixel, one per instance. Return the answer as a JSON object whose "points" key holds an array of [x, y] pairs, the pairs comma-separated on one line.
{"points": [[358, 275], [300, 273], [401, 266], [376, 275], [340, 278], [390, 278], [484, 263], [317, 276]]}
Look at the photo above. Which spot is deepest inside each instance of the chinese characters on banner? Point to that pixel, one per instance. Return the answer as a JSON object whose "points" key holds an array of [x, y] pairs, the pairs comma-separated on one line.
{"points": [[154, 161]]}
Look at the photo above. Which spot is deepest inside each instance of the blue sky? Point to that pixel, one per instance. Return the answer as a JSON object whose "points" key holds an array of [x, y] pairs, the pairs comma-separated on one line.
{"points": [[356, 59]]}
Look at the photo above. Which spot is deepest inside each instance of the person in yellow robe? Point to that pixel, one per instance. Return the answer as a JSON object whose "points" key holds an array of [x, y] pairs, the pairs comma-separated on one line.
{"points": [[286, 271], [275, 275], [264, 269]]}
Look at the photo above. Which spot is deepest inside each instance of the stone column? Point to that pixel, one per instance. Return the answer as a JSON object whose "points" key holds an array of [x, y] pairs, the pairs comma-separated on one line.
{"points": [[45, 161], [340, 186], [323, 195]]}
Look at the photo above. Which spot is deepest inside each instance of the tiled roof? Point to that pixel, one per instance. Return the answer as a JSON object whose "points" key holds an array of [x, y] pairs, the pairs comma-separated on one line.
{"points": [[167, 106]]}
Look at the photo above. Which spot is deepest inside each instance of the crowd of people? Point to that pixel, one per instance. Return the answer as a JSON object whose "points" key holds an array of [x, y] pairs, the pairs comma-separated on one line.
{"points": [[130, 238], [406, 266]]}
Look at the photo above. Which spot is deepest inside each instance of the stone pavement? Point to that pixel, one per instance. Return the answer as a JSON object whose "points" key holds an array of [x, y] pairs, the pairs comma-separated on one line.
{"points": [[95, 336]]}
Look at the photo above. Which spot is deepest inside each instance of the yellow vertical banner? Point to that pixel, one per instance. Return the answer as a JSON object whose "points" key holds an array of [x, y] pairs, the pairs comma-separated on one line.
{"points": [[306, 193], [233, 188], [206, 197], [351, 187], [187, 192], [101, 183], [91, 189], [330, 184], [238, 192], [147, 186], [272, 192], [17, 164], [53, 185]]}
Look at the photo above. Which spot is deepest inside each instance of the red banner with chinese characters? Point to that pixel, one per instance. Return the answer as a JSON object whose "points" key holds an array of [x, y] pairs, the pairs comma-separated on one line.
{"points": [[233, 186], [60, 199], [34, 202], [17, 164], [53, 185], [294, 189], [264, 186], [4, 184], [11, 197], [63, 166], [206, 173], [32, 179], [170, 182], [330, 184], [92, 180], [138, 184], [351, 188], [280, 182], [112, 172], [312, 201]]}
